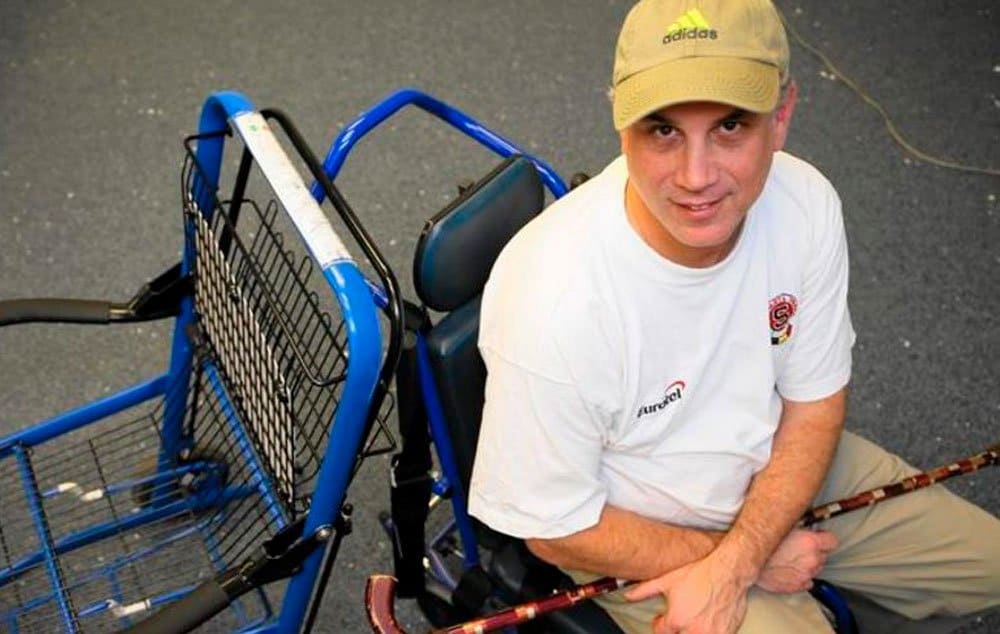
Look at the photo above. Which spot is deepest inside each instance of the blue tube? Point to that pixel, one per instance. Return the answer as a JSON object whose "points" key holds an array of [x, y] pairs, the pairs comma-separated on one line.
{"points": [[265, 629], [843, 618], [364, 348], [84, 415], [369, 119], [215, 115]]}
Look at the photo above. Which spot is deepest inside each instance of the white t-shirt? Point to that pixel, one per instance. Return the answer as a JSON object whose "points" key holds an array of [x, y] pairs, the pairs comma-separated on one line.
{"points": [[616, 376]]}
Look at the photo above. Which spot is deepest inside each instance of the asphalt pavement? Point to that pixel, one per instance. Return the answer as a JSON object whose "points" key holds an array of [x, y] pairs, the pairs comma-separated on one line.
{"points": [[97, 95]]}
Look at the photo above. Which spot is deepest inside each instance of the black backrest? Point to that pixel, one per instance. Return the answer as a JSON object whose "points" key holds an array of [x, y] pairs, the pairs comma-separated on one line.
{"points": [[453, 259], [457, 247]]}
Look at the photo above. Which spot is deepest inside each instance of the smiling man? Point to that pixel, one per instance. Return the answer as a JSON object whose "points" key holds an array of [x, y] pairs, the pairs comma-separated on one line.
{"points": [[668, 350]]}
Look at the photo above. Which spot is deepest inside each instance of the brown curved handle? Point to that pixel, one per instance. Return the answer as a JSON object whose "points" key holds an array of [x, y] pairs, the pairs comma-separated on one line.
{"points": [[380, 591]]}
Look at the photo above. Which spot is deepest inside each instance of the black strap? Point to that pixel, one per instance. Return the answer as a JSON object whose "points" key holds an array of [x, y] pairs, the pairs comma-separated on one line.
{"points": [[411, 466]]}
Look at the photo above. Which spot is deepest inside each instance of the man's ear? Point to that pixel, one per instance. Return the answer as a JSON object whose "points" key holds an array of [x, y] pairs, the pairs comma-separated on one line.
{"points": [[783, 115]]}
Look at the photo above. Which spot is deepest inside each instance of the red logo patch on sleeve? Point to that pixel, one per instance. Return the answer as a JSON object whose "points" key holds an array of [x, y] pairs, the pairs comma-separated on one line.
{"points": [[780, 311]]}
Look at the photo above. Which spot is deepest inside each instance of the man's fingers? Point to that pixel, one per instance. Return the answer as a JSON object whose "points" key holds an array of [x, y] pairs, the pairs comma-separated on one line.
{"points": [[661, 626], [644, 590], [826, 541]]}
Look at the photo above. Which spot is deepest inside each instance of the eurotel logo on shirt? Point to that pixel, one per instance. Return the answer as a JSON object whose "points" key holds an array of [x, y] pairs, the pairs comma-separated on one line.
{"points": [[672, 393], [692, 25]]}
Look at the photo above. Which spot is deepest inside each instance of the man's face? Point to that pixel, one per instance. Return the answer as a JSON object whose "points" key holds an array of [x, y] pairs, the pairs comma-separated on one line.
{"points": [[694, 171]]}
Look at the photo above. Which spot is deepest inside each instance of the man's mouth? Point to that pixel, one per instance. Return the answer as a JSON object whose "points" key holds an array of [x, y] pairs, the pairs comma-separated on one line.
{"points": [[699, 207]]}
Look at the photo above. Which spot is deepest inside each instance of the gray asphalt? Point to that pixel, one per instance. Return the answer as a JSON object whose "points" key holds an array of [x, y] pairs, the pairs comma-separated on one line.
{"points": [[96, 97]]}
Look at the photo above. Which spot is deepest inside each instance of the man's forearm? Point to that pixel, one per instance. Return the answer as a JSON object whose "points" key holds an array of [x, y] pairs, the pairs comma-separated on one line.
{"points": [[803, 448], [627, 545]]}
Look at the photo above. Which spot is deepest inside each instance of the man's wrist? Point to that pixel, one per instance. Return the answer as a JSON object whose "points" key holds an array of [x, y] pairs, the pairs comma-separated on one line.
{"points": [[740, 554]]}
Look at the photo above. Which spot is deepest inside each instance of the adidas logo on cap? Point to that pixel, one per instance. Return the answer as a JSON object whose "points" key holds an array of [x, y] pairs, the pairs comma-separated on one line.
{"points": [[691, 25]]}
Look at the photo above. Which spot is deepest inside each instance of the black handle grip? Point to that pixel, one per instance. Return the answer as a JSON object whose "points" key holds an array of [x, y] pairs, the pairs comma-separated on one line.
{"points": [[184, 615], [80, 311]]}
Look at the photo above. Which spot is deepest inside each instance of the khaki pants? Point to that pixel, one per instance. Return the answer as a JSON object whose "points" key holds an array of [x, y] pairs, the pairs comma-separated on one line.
{"points": [[927, 553]]}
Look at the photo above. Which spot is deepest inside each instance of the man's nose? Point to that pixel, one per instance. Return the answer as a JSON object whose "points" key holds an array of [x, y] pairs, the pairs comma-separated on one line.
{"points": [[697, 170]]}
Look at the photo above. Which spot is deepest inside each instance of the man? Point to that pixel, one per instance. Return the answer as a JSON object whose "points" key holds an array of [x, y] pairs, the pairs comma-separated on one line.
{"points": [[668, 351]]}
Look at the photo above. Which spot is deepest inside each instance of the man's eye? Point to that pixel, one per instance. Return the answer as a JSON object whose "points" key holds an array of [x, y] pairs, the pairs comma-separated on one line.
{"points": [[732, 125], [663, 130]]}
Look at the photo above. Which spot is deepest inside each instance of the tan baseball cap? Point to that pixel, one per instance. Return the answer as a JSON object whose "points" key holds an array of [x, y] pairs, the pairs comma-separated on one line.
{"points": [[673, 51]]}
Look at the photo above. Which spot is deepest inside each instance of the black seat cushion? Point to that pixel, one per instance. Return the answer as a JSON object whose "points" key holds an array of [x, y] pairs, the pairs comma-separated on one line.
{"points": [[460, 378]]}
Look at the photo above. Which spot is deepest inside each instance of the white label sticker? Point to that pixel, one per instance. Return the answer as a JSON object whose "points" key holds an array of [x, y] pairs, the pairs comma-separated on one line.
{"points": [[287, 185]]}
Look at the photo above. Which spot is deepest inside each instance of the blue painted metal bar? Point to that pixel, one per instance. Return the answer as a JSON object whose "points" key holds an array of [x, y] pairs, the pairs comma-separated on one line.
{"points": [[215, 114], [84, 415], [44, 538], [369, 119], [446, 455], [131, 483], [364, 348]]}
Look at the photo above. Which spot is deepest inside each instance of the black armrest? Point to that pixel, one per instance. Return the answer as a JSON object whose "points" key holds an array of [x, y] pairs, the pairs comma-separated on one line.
{"points": [[158, 299], [78, 311]]}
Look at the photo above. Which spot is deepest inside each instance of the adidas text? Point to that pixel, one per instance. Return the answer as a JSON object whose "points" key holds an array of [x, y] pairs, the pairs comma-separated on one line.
{"points": [[690, 34]]}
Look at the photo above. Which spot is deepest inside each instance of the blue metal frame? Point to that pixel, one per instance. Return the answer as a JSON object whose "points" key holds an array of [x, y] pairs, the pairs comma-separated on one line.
{"points": [[371, 118], [843, 618]]}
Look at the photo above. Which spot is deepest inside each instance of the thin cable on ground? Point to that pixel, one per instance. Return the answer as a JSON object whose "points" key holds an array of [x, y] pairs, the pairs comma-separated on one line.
{"points": [[868, 99]]}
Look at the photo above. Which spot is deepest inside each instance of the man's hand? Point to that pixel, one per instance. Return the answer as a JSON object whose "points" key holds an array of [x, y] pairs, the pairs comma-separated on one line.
{"points": [[798, 560], [702, 598]]}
